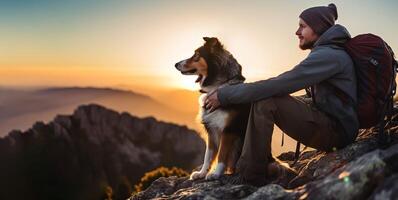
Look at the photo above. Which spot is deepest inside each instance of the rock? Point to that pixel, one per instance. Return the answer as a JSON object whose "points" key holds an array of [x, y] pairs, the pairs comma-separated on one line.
{"points": [[272, 191], [355, 180], [387, 190], [182, 188], [362, 170], [321, 163], [77, 156]]}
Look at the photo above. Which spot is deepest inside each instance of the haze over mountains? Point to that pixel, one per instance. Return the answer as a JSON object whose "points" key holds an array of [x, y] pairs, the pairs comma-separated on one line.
{"points": [[21, 108]]}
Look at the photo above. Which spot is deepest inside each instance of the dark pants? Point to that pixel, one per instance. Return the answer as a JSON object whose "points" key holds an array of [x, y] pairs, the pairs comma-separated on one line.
{"points": [[301, 121]]}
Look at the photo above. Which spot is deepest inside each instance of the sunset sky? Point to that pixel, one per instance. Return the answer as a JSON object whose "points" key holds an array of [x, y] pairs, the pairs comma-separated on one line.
{"points": [[136, 43]]}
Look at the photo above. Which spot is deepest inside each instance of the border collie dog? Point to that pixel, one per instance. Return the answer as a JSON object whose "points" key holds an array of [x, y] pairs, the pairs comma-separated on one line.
{"points": [[225, 126]]}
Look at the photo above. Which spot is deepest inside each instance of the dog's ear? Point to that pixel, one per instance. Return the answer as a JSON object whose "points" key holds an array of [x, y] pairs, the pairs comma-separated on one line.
{"points": [[212, 42], [206, 39]]}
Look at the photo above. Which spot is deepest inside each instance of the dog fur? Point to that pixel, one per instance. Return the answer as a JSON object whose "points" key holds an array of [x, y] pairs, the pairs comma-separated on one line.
{"points": [[226, 126]]}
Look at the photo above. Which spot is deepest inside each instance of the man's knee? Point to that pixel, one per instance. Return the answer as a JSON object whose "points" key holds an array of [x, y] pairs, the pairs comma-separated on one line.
{"points": [[269, 104], [264, 105]]}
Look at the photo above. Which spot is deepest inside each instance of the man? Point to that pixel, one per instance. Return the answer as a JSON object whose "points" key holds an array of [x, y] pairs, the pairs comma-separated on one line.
{"points": [[326, 124]]}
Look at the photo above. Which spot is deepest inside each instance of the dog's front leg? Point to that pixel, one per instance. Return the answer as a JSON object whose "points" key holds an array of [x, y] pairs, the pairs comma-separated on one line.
{"points": [[226, 144], [206, 165], [209, 157]]}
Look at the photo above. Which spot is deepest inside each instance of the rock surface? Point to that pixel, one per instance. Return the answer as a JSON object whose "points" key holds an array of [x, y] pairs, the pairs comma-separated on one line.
{"points": [[78, 156], [363, 170]]}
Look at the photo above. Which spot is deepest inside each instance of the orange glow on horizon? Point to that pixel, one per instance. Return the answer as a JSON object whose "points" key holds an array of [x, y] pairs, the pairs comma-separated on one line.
{"points": [[91, 76]]}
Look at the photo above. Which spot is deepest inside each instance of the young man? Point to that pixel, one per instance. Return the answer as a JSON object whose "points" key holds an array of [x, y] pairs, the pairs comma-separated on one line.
{"points": [[326, 124]]}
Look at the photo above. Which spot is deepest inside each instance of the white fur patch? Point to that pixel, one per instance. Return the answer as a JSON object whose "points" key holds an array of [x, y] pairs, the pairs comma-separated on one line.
{"points": [[219, 168], [216, 119], [207, 159], [202, 100]]}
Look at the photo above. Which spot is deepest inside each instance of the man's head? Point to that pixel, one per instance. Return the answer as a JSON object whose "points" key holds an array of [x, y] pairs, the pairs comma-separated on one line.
{"points": [[313, 23]]}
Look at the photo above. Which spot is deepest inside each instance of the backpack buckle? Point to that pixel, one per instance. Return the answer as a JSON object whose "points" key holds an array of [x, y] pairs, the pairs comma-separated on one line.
{"points": [[374, 62]]}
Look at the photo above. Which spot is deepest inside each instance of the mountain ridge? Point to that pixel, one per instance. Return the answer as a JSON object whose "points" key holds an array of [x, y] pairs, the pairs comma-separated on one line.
{"points": [[77, 156], [22, 108]]}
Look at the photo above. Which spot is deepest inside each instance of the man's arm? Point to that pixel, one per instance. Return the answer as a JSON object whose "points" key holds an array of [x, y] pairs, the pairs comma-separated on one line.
{"points": [[318, 66]]}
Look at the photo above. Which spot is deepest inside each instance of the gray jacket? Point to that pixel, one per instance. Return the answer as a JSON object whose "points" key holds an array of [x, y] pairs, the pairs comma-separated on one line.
{"points": [[327, 64]]}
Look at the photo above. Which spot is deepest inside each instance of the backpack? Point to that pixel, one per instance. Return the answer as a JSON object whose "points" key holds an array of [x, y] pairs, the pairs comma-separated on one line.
{"points": [[376, 69]]}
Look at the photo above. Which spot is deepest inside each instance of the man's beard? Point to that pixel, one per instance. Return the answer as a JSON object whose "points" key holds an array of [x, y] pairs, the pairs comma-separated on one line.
{"points": [[307, 45]]}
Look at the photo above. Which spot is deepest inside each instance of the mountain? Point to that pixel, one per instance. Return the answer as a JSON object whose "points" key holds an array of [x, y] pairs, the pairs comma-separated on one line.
{"points": [[365, 169], [77, 156], [21, 108]]}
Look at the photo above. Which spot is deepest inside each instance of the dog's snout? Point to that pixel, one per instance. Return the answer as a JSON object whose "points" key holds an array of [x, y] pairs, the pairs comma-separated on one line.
{"points": [[176, 65]]}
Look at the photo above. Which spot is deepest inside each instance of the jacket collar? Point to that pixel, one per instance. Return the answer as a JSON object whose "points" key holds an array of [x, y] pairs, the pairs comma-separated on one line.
{"points": [[335, 35]]}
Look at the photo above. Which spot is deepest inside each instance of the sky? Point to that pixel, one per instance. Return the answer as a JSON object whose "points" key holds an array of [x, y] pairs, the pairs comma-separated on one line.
{"points": [[137, 43]]}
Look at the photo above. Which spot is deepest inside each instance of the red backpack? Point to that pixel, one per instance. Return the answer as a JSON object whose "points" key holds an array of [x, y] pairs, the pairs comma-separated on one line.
{"points": [[376, 70]]}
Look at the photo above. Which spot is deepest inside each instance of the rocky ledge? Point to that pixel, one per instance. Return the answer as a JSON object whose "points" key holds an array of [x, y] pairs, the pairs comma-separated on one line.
{"points": [[363, 170], [83, 155]]}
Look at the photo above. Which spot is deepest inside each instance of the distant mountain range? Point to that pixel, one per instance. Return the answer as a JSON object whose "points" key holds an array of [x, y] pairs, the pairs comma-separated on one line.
{"points": [[76, 156], [21, 108]]}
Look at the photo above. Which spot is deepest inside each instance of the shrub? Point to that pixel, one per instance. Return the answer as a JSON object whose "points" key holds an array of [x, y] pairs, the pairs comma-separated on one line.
{"points": [[151, 176]]}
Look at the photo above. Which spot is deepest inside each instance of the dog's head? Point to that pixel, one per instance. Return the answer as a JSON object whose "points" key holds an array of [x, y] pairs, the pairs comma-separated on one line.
{"points": [[212, 63]]}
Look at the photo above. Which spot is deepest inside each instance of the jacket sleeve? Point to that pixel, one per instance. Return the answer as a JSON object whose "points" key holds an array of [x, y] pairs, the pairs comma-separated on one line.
{"points": [[318, 66]]}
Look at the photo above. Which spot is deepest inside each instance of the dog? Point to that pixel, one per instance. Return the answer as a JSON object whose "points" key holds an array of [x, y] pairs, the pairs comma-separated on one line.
{"points": [[226, 126]]}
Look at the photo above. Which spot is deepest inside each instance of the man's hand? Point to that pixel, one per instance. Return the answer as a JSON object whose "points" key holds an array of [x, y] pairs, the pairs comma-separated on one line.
{"points": [[211, 101]]}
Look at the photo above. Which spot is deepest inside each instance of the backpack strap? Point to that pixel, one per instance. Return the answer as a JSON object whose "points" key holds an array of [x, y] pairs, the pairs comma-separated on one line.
{"points": [[297, 153]]}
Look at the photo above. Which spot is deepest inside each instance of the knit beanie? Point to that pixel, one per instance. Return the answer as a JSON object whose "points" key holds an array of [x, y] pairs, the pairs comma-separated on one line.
{"points": [[320, 18]]}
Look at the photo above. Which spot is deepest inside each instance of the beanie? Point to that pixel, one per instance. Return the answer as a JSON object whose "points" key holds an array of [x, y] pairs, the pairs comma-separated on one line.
{"points": [[320, 18]]}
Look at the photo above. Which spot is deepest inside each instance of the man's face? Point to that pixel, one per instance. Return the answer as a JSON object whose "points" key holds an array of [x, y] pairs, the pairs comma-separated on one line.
{"points": [[306, 35]]}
